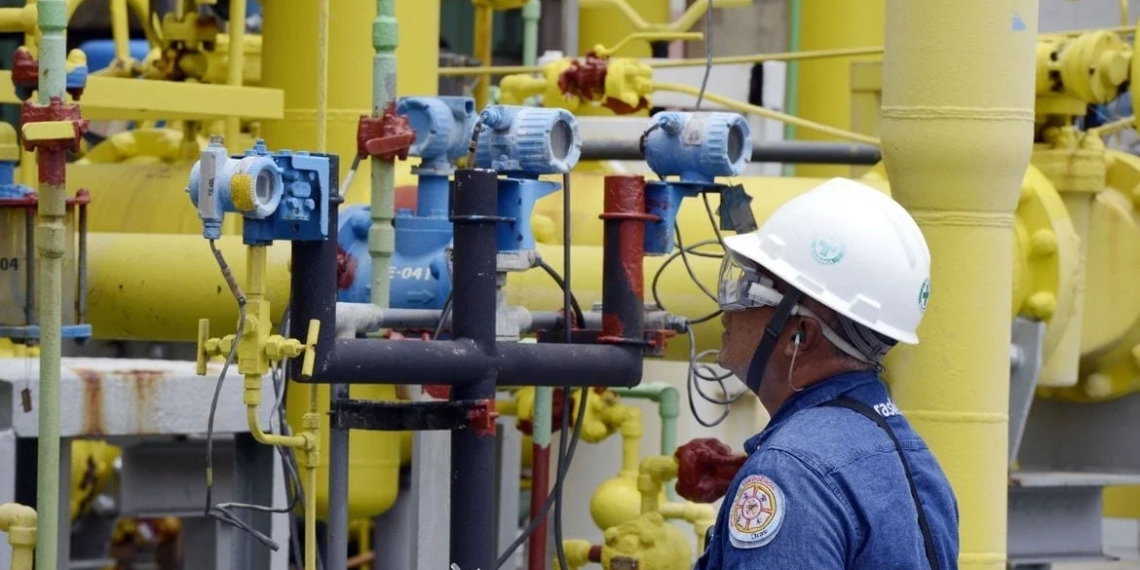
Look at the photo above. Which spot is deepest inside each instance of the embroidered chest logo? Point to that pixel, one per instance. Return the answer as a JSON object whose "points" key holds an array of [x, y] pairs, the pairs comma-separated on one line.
{"points": [[757, 512]]}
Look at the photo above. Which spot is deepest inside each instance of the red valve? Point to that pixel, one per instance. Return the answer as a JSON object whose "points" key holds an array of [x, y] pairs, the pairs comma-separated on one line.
{"points": [[388, 136], [705, 469], [586, 79]]}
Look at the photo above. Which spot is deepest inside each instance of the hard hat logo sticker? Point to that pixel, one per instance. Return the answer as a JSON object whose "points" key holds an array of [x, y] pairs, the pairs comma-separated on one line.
{"points": [[924, 294], [827, 250]]}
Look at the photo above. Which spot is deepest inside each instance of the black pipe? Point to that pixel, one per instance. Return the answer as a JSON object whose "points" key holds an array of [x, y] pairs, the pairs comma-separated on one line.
{"points": [[475, 216], [313, 294], [370, 361], [574, 365], [786, 152]]}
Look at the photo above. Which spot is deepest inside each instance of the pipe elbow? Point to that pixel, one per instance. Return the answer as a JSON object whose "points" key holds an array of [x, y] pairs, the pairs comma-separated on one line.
{"points": [[654, 472], [629, 421], [19, 522]]}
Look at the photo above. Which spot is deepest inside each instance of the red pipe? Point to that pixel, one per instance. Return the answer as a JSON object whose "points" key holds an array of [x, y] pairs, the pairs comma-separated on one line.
{"points": [[539, 490]]}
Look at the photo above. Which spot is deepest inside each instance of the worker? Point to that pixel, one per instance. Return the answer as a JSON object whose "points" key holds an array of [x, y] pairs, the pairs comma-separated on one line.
{"points": [[812, 302]]}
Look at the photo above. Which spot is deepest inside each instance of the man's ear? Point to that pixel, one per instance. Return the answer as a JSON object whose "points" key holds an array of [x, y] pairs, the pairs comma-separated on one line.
{"points": [[805, 336]]}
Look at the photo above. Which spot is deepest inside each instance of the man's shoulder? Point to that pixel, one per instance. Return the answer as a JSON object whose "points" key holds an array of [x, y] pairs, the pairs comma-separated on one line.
{"points": [[827, 438]]}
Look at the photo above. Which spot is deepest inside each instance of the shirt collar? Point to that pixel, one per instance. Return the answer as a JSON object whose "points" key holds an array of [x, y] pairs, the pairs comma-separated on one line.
{"points": [[810, 397]]}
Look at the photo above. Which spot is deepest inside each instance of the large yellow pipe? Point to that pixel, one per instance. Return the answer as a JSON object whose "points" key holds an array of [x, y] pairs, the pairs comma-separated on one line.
{"points": [[824, 91], [957, 129], [290, 63], [138, 284]]}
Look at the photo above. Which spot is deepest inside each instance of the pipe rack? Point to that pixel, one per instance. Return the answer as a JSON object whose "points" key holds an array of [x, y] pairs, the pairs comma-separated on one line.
{"points": [[473, 363]]}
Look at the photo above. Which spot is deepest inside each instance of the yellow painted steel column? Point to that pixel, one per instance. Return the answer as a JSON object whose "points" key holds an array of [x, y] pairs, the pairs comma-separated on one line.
{"points": [[824, 93], [289, 62], [957, 129]]}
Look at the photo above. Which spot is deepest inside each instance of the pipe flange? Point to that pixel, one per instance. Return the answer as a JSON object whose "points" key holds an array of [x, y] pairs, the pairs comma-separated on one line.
{"points": [[1046, 251]]}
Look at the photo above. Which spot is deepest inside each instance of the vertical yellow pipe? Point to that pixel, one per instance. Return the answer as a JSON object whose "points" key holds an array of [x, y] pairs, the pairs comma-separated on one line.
{"points": [[824, 93], [289, 54], [235, 66], [957, 118], [483, 50]]}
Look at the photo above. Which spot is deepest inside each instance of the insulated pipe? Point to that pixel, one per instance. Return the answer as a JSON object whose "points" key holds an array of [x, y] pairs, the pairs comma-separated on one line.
{"points": [[476, 206], [956, 147], [51, 158], [795, 152]]}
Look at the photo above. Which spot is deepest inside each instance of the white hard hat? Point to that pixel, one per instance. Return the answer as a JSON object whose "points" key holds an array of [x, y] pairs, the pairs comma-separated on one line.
{"points": [[850, 247]]}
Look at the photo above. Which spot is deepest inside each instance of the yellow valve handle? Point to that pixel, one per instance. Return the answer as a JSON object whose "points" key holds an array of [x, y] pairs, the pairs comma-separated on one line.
{"points": [[603, 51], [203, 336], [310, 349]]}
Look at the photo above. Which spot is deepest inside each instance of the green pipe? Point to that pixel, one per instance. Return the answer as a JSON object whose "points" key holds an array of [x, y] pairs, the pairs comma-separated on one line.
{"points": [[668, 408], [531, 13], [52, 22], [792, 77], [382, 236]]}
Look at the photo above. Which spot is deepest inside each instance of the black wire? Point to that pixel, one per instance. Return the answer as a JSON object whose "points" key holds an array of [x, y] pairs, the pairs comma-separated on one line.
{"points": [[567, 297], [579, 316]]}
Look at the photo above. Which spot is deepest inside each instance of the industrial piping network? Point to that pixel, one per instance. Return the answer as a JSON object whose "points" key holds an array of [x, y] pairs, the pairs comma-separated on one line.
{"points": [[1063, 235]]}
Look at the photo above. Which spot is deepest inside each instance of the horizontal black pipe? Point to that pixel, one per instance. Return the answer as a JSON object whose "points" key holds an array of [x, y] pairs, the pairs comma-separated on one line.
{"points": [[460, 362], [372, 361], [576, 365], [787, 152]]}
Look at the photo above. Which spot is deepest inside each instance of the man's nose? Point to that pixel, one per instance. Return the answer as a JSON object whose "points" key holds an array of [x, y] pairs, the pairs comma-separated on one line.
{"points": [[724, 319]]}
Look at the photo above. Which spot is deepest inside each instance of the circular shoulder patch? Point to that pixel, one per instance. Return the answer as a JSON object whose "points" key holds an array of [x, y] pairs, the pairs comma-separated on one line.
{"points": [[757, 512]]}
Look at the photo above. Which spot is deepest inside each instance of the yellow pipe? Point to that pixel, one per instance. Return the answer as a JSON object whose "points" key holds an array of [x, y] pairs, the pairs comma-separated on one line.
{"points": [[651, 477], [701, 516], [957, 149], [289, 62], [754, 58], [235, 68], [825, 84], [253, 363], [121, 30], [20, 524], [766, 113], [483, 49]]}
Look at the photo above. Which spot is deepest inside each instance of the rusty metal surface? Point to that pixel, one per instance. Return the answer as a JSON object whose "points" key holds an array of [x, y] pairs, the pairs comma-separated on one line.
{"points": [[121, 397]]}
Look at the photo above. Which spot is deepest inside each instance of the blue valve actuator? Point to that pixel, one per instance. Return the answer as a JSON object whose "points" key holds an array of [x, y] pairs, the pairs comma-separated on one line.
{"points": [[696, 148], [281, 195]]}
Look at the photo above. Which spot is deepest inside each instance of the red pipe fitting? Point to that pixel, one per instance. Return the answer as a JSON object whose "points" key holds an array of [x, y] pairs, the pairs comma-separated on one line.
{"points": [[387, 137]]}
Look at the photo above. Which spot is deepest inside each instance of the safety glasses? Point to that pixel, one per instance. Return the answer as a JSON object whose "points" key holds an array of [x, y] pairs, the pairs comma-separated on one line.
{"points": [[747, 287], [743, 287]]}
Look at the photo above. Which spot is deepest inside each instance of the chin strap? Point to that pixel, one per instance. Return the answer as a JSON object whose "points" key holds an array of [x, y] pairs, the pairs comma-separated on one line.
{"points": [[776, 324]]}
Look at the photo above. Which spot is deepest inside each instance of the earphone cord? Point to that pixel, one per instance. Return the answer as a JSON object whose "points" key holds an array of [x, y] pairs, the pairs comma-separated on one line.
{"points": [[792, 366]]}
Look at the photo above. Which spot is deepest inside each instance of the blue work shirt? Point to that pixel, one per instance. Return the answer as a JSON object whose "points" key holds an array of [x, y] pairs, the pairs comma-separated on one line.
{"points": [[824, 488]]}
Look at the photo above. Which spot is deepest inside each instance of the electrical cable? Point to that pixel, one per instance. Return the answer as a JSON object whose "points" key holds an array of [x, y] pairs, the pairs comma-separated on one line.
{"points": [[222, 511], [566, 444], [653, 287], [708, 54], [579, 316], [567, 297], [700, 371]]}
